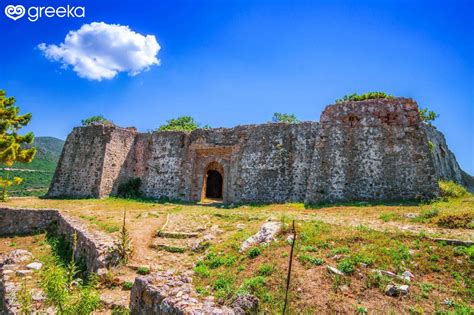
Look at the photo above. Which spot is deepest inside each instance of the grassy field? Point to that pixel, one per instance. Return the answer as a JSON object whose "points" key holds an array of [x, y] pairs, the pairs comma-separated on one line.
{"points": [[355, 238]]}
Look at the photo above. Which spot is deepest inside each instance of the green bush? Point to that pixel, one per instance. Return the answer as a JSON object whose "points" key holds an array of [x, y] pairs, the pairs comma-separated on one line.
{"points": [[265, 270], [57, 284], [346, 265], [450, 189], [365, 96], [254, 252], [183, 123], [456, 221], [96, 120], [285, 118], [130, 189], [428, 116], [143, 270], [340, 250], [253, 285], [127, 285], [308, 259], [202, 271]]}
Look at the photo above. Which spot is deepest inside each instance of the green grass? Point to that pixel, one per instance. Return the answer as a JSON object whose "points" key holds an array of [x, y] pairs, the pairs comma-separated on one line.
{"points": [[363, 250]]}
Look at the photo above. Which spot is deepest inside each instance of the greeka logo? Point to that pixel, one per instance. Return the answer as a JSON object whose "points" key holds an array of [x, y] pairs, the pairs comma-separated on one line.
{"points": [[16, 12]]}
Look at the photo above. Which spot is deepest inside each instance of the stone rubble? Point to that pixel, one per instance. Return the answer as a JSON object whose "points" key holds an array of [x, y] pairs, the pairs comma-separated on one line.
{"points": [[396, 290], [265, 235], [94, 247], [334, 270], [168, 293]]}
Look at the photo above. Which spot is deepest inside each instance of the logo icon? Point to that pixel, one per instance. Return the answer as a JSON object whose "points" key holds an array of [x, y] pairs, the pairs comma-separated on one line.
{"points": [[14, 12]]}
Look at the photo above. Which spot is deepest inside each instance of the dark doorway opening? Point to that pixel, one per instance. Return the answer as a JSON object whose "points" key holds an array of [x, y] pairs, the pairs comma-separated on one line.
{"points": [[214, 185]]}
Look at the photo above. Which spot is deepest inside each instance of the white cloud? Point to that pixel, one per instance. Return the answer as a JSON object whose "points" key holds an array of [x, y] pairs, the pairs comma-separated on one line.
{"points": [[100, 51]]}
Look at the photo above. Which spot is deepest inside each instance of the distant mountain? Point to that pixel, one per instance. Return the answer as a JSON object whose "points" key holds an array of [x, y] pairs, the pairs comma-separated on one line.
{"points": [[48, 148], [38, 174]]}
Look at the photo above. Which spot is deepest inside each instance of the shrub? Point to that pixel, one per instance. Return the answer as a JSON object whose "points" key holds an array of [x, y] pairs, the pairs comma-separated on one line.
{"points": [[223, 283], [427, 115], [143, 270], [376, 280], [346, 265], [130, 189], [254, 252], [123, 246], [450, 189], [431, 146], [60, 292], [127, 285], [365, 96], [456, 221], [265, 270], [308, 259], [253, 285], [202, 271], [285, 118], [340, 250], [183, 123], [96, 120], [309, 248]]}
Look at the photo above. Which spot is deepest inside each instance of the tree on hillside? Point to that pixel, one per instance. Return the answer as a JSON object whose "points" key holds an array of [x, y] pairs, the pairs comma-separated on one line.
{"points": [[285, 118], [96, 120], [427, 115], [12, 145], [182, 123]]}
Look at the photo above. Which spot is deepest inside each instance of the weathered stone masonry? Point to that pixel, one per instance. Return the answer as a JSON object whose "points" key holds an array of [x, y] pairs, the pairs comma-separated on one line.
{"points": [[368, 150], [95, 248]]}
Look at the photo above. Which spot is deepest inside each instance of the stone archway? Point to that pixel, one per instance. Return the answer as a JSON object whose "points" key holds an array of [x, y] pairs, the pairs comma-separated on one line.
{"points": [[213, 183]]}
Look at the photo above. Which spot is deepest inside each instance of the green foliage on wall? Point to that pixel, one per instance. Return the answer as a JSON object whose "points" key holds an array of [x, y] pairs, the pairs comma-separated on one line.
{"points": [[284, 118], [365, 96], [96, 120], [182, 123]]}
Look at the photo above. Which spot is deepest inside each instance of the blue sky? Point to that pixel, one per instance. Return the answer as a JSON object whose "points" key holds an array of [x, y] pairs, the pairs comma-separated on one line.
{"points": [[237, 62]]}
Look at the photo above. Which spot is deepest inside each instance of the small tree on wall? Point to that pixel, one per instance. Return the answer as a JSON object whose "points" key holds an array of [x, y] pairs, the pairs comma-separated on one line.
{"points": [[285, 118], [182, 123], [427, 115], [96, 120], [11, 143]]}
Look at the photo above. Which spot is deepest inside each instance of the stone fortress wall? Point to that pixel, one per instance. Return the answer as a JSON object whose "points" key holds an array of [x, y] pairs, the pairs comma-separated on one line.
{"points": [[375, 149]]}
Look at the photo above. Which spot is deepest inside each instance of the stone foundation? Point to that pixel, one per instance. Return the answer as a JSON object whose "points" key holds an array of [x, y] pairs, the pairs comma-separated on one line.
{"points": [[93, 247], [165, 293]]}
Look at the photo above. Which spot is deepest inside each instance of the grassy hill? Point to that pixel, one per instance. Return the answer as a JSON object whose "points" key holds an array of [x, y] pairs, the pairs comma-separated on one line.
{"points": [[38, 174]]}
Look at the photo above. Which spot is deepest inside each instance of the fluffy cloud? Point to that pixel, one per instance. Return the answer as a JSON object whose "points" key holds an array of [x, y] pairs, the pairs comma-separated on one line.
{"points": [[100, 51]]}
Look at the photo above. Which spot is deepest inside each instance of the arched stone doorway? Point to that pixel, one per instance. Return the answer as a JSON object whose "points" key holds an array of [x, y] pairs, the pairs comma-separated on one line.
{"points": [[213, 184]]}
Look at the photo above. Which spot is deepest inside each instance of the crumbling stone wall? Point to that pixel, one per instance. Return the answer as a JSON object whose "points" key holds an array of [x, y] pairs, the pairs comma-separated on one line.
{"points": [[80, 170], [371, 150], [94, 248], [445, 164], [368, 150]]}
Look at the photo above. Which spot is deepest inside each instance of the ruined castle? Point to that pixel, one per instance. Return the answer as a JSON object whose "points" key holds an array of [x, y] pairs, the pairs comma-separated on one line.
{"points": [[377, 149]]}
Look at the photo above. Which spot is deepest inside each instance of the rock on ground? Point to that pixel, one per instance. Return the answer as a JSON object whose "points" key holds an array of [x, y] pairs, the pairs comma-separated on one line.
{"points": [[265, 235]]}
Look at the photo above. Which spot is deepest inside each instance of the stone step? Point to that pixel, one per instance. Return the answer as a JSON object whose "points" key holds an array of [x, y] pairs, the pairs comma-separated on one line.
{"points": [[176, 235], [169, 248]]}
